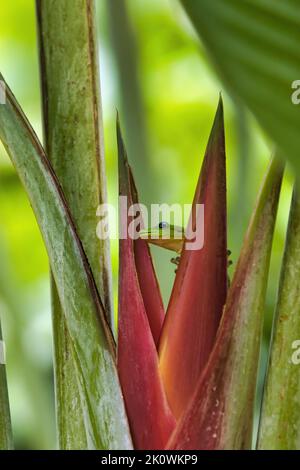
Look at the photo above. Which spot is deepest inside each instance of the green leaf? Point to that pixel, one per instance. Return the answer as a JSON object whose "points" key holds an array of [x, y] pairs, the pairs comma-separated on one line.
{"points": [[6, 439], [73, 121], [92, 342], [254, 45], [74, 144], [220, 415], [71, 433], [280, 419]]}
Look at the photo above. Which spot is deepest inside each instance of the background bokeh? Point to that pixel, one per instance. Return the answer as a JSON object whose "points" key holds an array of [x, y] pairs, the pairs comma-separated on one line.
{"points": [[156, 73]]}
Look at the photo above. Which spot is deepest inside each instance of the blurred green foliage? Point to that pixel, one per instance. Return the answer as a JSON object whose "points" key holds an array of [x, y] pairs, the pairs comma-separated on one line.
{"points": [[178, 93]]}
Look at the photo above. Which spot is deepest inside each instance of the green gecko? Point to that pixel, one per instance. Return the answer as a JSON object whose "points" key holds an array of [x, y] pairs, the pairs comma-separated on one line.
{"points": [[170, 237], [166, 236]]}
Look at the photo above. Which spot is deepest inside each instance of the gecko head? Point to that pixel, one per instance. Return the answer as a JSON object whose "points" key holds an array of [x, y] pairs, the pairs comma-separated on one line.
{"points": [[157, 232], [162, 231]]}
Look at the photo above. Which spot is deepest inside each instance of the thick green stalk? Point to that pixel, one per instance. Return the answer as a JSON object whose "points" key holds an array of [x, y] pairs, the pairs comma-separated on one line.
{"points": [[92, 343], [6, 440], [71, 433], [280, 419], [74, 143]]}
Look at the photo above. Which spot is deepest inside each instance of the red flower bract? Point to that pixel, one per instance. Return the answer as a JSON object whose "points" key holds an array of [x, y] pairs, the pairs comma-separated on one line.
{"points": [[150, 418], [199, 291], [185, 395]]}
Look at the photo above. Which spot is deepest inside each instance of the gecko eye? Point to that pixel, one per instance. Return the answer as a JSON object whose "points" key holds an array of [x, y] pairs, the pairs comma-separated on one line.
{"points": [[162, 225]]}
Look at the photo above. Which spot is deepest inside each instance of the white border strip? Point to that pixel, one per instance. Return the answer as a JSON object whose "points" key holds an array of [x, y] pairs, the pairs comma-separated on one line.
{"points": [[2, 353]]}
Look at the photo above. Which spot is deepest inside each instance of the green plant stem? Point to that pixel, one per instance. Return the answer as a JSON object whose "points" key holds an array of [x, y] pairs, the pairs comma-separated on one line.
{"points": [[280, 419], [74, 143], [6, 440], [92, 343], [71, 431]]}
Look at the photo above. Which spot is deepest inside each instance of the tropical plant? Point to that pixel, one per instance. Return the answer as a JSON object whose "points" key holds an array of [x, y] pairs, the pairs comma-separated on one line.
{"points": [[181, 379]]}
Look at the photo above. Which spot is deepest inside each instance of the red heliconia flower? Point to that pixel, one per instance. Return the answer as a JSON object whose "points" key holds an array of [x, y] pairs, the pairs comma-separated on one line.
{"points": [[179, 371]]}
